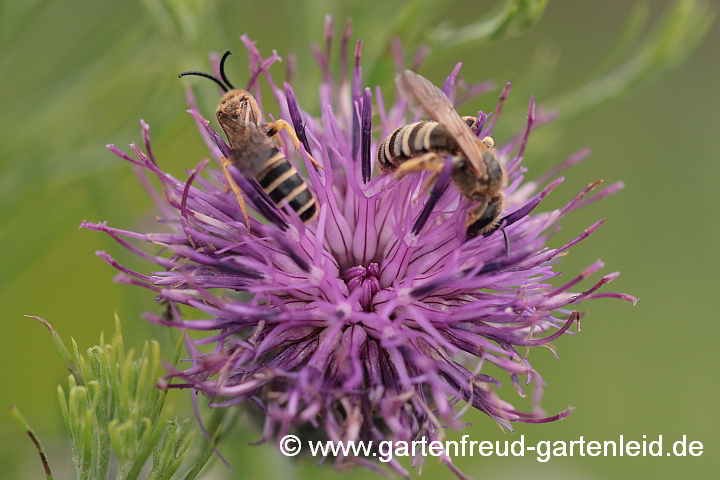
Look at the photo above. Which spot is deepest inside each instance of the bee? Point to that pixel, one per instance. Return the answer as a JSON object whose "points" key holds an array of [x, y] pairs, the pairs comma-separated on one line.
{"points": [[255, 153], [476, 171]]}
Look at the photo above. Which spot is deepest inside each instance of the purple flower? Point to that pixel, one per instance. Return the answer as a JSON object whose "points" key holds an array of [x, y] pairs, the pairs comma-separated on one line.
{"points": [[375, 320]]}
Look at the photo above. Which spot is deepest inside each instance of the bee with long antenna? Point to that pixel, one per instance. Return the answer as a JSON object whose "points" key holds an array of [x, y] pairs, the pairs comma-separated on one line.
{"points": [[255, 154], [476, 171]]}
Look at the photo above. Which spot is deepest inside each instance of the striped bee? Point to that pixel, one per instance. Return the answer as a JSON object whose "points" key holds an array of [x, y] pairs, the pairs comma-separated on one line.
{"points": [[254, 152], [419, 146]]}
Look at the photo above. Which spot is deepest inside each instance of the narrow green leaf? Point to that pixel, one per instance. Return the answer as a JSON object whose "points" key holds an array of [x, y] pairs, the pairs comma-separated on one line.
{"points": [[141, 389], [144, 454], [681, 29], [117, 341], [80, 362], [101, 440], [219, 423], [184, 438], [87, 439], [69, 426], [509, 19], [178, 349], [172, 468], [204, 457], [77, 407], [28, 429], [63, 351], [125, 385], [626, 39], [64, 408], [155, 372]]}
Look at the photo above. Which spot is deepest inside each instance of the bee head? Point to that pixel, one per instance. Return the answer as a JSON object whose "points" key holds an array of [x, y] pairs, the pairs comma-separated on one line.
{"points": [[238, 105], [497, 177]]}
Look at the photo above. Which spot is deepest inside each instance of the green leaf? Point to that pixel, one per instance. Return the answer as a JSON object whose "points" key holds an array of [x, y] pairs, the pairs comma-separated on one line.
{"points": [[626, 39], [509, 19], [220, 423], [150, 441], [677, 34], [63, 351], [28, 429]]}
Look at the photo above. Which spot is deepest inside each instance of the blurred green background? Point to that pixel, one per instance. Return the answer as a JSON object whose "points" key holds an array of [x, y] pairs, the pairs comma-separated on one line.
{"points": [[79, 74]]}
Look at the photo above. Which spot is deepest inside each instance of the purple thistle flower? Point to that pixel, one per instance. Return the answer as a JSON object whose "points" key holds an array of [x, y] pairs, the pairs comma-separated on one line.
{"points": [[374, 320]]}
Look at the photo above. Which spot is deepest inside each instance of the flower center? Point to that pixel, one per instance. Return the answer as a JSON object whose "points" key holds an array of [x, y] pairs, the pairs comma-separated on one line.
{"points": [[364, 278]]}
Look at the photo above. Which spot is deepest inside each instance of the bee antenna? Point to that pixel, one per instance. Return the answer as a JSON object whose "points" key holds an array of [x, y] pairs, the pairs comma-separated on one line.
{"points": [[206, 75], [507, 242], [222, 69]]}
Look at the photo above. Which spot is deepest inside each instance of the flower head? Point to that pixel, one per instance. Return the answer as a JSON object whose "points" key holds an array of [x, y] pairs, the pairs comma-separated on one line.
{"points": [[375, 319]]}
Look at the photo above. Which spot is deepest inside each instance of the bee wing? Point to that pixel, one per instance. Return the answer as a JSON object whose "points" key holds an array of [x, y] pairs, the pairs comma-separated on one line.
{"points": [[419, 89], [249, 145]]}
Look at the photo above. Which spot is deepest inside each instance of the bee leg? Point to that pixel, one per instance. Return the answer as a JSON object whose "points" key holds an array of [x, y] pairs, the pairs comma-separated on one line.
{"points": [[429, 161], [238, 192], [436, 171], [275, 127], [507, 242], [427, 184]]}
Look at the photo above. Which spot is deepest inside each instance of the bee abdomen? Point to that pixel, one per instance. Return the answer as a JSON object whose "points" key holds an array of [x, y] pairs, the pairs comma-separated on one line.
{"points": [[400, 145], [304, 204], [415, 139], [387, 157], [383, 160], [282, 182]]}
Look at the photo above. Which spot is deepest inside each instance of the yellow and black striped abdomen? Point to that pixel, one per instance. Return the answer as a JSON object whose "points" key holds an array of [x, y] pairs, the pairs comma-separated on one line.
{"points": [[415, 139], [282, 182]]}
